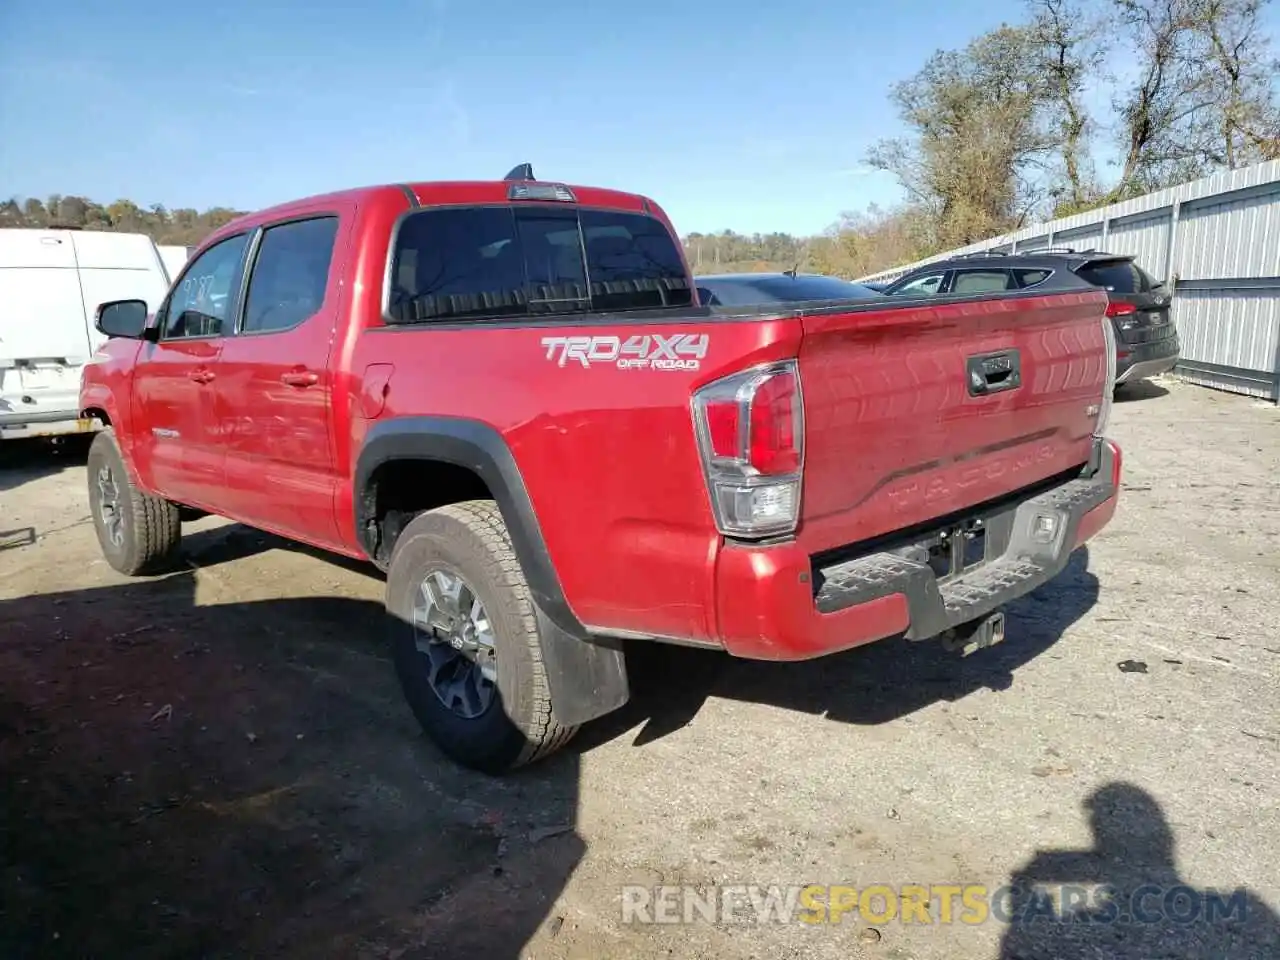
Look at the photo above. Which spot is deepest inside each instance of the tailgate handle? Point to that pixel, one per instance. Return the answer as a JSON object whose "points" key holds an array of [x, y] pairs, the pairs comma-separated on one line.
{"points": [[993, 372]]}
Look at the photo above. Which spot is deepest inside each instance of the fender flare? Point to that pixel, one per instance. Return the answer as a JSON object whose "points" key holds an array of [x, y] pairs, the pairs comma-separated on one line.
{"points": [[481, 449], [587, 675], [98, 397]]}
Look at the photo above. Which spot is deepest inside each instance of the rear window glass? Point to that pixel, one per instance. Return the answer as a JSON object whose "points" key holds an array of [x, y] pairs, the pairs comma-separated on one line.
{"points": [[461, 263], [814, 288], [1118, 276], [632, 262]]}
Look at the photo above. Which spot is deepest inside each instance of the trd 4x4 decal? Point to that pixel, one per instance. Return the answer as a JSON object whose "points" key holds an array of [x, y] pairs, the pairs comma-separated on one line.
{"points": [[681, 351]]}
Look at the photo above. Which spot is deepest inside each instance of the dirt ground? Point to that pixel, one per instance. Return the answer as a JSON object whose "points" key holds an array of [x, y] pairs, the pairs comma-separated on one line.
{"points": [[218, 763]]}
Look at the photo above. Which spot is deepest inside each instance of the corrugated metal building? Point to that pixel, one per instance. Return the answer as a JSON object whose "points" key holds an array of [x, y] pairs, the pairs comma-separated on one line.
{"points": [[1216, 241]]}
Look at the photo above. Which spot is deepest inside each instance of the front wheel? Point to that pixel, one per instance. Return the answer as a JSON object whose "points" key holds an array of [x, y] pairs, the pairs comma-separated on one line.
{"points": [[138, 533], [465, 640]]}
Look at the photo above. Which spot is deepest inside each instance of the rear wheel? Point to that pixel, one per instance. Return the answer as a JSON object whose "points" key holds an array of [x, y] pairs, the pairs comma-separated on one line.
{"points": [[138, 533], [465, 640]]}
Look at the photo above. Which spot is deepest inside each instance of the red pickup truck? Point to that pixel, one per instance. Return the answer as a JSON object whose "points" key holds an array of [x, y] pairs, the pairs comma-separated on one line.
{"points": [[506, 395]]}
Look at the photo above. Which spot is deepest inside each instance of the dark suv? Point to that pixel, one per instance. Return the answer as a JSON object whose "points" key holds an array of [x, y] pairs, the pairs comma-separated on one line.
{"points": [[1146, 339]]}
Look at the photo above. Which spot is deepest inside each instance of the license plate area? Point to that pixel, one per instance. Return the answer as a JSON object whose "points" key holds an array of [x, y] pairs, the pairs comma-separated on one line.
{"points": [[43, 377], [952, 550], [960, 548]]}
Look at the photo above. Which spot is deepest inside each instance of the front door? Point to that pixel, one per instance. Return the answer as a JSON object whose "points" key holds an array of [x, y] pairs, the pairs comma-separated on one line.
{"points": [[274, 384], [177, 452]]}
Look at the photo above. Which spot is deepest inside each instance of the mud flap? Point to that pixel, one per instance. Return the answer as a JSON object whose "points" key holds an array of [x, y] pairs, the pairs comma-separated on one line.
{"points": [[587, 677]]}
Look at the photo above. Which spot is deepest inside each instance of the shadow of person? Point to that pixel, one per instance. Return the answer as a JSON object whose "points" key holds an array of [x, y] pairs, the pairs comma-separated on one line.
{"points": [[869, 685], [184, 777], [1124, 899]]}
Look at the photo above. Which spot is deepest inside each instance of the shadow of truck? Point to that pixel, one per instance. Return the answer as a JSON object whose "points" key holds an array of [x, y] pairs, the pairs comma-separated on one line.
{"points": [[244, 779]]}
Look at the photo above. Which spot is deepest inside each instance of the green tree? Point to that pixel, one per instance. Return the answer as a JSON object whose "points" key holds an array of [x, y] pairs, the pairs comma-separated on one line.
{"points": [[976, 136], [34, 213]]}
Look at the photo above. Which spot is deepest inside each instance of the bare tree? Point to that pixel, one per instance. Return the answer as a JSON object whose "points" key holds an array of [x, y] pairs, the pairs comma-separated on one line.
{"points": [[1165, 124], [1070, 48], [1243, 76]]}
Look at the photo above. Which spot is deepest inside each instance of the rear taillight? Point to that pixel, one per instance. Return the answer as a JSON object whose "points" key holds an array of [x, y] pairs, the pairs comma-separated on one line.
{"points": [[1124, 314], [750, 429], [1109, 386]]}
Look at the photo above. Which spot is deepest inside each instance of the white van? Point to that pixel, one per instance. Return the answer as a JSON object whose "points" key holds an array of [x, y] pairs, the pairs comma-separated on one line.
{"points": [[174, 258], [51, 282]]}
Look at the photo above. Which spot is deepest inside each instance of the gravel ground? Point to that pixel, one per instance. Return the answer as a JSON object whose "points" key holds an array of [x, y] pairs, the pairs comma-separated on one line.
{"points": [[218, 763]]}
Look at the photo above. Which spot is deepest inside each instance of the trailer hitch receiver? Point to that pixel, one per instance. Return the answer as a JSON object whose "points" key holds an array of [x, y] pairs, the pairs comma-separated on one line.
{"points": [[975, 635]]}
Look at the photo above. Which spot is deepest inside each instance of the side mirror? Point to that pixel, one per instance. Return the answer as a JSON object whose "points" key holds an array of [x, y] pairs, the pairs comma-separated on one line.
{"points": [[121, 318]]}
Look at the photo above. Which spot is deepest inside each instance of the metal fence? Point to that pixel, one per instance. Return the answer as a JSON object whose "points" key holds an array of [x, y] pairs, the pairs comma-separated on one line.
{"points": [[1216, 242]]}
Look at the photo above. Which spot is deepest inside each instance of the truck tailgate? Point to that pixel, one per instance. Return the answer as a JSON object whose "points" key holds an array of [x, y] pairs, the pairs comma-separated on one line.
{"points": [[898, 429]]}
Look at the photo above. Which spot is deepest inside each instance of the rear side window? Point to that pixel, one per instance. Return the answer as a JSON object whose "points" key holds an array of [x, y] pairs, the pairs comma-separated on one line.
{"points": [[459, 263], [1029, 278], [290, 274], [1118, 276], [981, 281]]}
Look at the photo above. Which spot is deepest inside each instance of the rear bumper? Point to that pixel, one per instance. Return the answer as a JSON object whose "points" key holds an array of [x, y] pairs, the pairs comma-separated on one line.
{"points": [[1147, 359], [776, 604], [16, 424], [39, 413], [49, 428]]}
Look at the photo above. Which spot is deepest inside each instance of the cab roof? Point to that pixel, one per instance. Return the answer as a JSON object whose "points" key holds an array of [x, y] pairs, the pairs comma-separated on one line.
{"points": [[429, 193]]}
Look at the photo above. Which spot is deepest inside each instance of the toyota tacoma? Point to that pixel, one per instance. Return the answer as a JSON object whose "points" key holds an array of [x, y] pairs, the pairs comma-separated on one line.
{"points": [[507, 396]]}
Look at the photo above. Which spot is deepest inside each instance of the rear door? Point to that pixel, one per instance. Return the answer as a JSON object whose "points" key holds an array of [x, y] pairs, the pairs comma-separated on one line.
{"points": [[117, 266], [177, 448], [43, 340], [275, 385]]}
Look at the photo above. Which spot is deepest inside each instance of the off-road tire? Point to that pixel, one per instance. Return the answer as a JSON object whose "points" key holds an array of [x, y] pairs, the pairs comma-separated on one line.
{"points": [[151, 526], [470, 540]]}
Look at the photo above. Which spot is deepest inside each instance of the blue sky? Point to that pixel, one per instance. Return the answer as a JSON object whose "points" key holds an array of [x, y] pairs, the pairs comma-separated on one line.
{"points": [[731, 117]]}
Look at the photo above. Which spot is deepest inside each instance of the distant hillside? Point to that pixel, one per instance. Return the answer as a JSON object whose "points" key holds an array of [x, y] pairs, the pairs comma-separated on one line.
{"points": [[858, 245], [181, 227]]}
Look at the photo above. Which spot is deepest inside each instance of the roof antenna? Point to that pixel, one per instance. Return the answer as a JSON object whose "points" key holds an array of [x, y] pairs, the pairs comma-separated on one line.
{"points": [[522, 172], [794, 272]]}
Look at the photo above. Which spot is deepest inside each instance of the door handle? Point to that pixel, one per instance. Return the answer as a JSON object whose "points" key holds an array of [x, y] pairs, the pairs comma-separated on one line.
{"points": [[299, 378], [202, 376]]}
